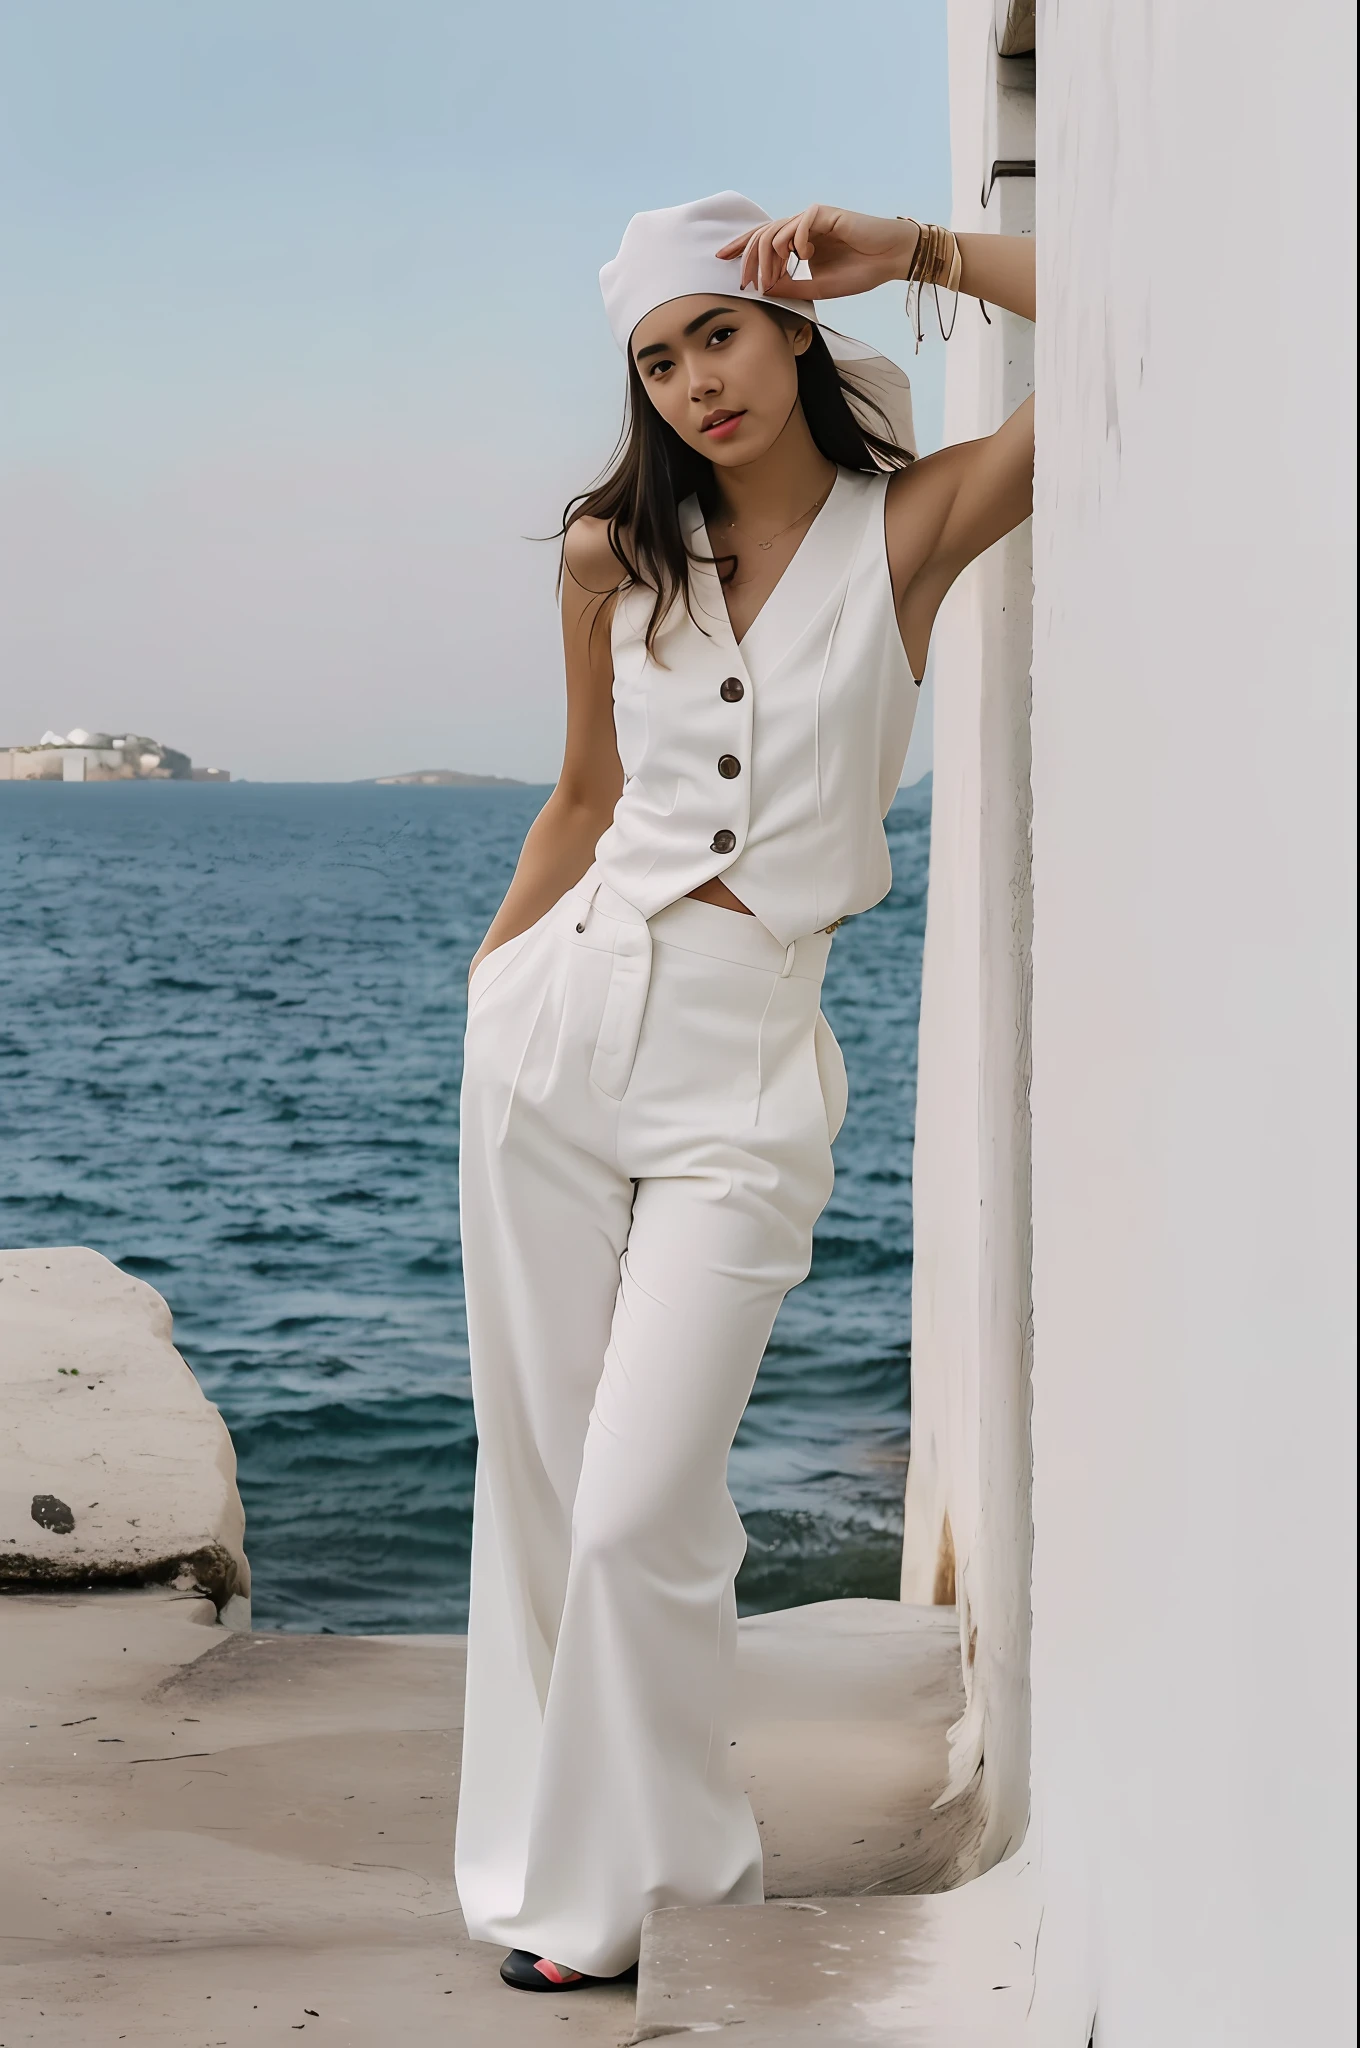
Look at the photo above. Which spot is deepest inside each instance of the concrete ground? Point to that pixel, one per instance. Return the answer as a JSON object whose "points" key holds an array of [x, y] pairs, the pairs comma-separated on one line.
{"points": [[216, 1839], [241, 1839], [945, 1970]]}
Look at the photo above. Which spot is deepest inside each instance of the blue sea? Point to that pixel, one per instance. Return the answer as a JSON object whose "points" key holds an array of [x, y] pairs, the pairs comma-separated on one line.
{"points": [[230, 1045]]}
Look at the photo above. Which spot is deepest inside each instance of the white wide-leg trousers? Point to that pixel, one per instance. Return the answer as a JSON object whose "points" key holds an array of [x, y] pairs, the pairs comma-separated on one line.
{"points": [[647, 1113]]}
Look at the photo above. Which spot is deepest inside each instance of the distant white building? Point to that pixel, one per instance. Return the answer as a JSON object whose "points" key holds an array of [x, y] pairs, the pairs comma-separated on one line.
{"points": [[81, 756]]}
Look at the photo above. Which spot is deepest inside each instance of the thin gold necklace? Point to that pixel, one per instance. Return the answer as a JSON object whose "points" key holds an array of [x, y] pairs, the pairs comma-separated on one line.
{"points": [[811, 513]]}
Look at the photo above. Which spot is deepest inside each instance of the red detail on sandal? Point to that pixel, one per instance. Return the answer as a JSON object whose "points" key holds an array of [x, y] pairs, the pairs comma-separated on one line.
{"points": [[555, 1973]]}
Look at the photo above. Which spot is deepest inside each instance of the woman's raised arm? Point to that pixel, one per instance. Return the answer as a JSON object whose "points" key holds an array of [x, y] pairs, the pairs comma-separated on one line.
{"points": [[849, 252], [947, 509], [944, 510]]}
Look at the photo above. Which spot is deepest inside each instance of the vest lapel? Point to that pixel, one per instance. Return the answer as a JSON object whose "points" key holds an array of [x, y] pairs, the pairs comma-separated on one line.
{"points": [[705, 587], [815, 579]]}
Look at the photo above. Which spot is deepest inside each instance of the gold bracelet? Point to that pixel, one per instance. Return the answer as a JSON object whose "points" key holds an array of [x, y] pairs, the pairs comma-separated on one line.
{"points": [[936, 261]]}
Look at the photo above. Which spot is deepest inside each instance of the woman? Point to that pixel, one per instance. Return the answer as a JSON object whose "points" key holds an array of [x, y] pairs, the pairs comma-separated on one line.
{"points": [[650, 1091]]}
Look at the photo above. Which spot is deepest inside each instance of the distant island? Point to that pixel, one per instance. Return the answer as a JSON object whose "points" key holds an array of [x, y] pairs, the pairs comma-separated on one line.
{"points": [[81, 756], [444, 778]]}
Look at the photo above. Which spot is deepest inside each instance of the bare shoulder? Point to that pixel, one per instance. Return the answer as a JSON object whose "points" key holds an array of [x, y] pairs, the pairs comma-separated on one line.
{"points": [[589, 559]]}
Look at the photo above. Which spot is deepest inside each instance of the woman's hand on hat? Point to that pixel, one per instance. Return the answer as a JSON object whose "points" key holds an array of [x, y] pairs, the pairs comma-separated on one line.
{"points": [[845, 252]]}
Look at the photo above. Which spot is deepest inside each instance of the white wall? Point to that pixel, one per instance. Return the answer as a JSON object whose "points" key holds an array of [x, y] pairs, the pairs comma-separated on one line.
{"points": [[1187, 1875], [1193, 755], [970, 1457]]}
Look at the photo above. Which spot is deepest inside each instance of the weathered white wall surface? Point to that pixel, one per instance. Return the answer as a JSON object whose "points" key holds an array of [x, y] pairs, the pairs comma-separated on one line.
{"points": [[970, 1456], [1187, 1873], [1193, 761]]}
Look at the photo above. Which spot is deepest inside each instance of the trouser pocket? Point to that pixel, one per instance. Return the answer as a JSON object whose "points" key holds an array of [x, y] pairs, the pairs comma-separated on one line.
{"points": [[493, 965], [831, 1075]]}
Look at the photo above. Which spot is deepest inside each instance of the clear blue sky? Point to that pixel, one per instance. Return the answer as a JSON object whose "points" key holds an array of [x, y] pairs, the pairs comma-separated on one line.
{"points": [[302, 336]]}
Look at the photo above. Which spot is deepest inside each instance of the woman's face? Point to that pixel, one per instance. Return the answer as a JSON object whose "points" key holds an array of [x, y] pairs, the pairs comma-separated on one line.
{"points": [[724, 374]]}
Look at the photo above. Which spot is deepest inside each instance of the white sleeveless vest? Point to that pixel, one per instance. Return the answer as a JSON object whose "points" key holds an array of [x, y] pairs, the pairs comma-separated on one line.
{"points": [[773, 762]]}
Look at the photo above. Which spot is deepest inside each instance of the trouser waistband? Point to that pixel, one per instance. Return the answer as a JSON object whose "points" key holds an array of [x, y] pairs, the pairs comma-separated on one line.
{"points": [[707, 928], [604, 918]]}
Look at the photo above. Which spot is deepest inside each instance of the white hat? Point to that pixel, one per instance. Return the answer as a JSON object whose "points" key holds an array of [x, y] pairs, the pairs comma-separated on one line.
{"points": [[671, 253]]}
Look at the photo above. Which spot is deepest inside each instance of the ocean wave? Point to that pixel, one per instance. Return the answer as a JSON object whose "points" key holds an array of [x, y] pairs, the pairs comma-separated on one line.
{"points": [[841, 1256], [795, 1558], [313, 1423]]}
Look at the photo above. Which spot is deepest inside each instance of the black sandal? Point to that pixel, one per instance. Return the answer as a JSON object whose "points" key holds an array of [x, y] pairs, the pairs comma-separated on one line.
{"points": [[524, 1971]]}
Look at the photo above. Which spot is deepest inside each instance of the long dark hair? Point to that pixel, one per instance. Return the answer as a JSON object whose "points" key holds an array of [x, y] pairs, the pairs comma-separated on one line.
{"points": [[653, 471]]}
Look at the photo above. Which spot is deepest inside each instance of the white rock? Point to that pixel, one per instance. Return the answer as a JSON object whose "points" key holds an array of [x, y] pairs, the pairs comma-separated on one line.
{"points": [[114, 1467]]}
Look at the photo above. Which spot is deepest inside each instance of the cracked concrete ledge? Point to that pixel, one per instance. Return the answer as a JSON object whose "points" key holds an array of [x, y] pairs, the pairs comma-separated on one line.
{"points": [[115, 1469]]}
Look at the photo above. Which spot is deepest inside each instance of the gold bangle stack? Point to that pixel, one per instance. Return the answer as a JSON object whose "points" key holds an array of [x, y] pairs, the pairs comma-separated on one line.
{"points": [[935, 261]]}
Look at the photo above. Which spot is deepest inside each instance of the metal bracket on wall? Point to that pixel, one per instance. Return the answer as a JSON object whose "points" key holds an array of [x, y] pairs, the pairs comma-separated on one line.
{"points": [[1015, 26], [1006, 167]]}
